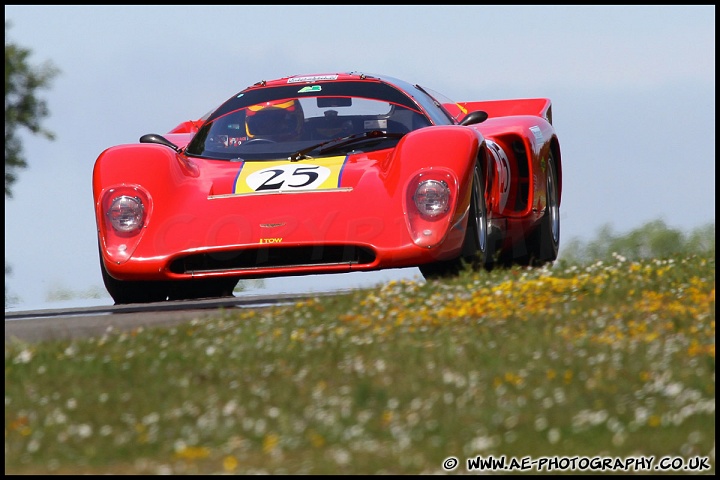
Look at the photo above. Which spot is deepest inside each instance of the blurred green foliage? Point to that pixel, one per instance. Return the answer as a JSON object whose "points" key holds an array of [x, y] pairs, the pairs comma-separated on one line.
{"points": [[654, 239]]}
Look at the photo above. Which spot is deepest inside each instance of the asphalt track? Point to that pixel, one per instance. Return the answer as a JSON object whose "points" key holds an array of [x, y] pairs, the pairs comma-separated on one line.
{"points": [[41, 325]]}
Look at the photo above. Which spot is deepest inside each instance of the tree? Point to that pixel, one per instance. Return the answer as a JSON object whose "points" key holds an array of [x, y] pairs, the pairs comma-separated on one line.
{"points": [[23, 108]]}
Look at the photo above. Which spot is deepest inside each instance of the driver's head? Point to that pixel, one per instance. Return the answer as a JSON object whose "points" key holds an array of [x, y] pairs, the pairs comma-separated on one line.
{"points": [[276, 120]]}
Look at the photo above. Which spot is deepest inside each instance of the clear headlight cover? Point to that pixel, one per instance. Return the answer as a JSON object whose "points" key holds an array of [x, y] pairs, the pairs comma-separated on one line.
{"points": [[432, 198], [126, 213]]}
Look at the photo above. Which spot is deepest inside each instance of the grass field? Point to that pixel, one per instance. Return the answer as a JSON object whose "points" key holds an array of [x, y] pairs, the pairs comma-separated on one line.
{"points": [[604, 362]]}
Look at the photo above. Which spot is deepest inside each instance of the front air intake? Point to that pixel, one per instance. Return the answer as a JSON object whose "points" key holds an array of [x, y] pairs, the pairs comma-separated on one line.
{"points": [[273, 257]]}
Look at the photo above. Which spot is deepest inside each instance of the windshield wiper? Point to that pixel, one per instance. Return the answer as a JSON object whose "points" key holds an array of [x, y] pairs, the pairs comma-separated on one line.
{"points": [[342, 142]]}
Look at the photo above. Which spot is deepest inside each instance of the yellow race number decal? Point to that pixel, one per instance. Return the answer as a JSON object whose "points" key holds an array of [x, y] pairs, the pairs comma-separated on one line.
{"points": [[287, 176]]}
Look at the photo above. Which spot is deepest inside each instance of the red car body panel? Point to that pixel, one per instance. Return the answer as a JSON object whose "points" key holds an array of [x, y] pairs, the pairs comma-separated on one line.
{"points": [[199, 222], [193, 209]]}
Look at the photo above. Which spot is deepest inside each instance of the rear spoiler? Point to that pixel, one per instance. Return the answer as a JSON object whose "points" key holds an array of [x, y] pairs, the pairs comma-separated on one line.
{"points": [[539, 107]]}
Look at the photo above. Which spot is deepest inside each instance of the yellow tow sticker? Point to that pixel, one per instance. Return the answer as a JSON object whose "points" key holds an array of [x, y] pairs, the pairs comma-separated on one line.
{"points": [[286, 176]]}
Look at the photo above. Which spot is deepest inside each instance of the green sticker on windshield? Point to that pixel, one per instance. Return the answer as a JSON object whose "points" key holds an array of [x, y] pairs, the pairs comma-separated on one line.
{"points": [[311, 88]]}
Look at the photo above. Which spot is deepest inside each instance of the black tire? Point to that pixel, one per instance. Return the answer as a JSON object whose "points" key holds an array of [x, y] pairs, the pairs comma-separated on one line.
{"points": [[477, 251], [202, 288], [543, 244], [478, 247], [123, 292]]}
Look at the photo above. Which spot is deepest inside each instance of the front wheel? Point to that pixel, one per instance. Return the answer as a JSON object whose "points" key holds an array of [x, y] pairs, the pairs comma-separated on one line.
{"points": [[123, 292], [543, 244], [147, 291], [478, 246], [477, 251], [202, 288]]}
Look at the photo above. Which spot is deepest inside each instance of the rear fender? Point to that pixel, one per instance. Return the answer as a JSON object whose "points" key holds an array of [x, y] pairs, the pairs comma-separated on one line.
{"points": [[526, 142]]}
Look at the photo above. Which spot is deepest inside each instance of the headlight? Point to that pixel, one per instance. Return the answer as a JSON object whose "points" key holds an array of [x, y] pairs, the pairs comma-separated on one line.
{"points": [[430, 202], [126, 213], [432, 198]]}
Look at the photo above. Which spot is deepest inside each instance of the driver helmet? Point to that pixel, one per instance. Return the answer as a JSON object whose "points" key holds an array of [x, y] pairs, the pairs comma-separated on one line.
{"points": [[278, 120]]}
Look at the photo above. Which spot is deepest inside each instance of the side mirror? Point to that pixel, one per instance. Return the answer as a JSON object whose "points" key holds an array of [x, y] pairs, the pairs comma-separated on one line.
{"points": [[159, 139], [472, 118]]}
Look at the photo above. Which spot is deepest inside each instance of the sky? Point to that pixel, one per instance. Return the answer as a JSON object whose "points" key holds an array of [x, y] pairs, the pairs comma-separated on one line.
{"points": [[633, 92]]}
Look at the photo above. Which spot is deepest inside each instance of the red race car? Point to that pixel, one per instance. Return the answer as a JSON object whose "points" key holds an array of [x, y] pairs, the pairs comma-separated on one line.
{"points": [[328, 173]]}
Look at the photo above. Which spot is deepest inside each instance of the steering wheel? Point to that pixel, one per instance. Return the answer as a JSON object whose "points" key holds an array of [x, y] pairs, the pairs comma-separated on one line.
{"points": [[259, 140]]}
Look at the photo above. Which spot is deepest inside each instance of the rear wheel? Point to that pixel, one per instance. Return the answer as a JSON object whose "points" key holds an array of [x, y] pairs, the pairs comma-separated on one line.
{"points": [[476, 251]]}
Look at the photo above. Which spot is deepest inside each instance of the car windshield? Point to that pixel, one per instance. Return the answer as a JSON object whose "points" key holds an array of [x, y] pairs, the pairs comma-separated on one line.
{"points": [[278, 122], [450, 107]]}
